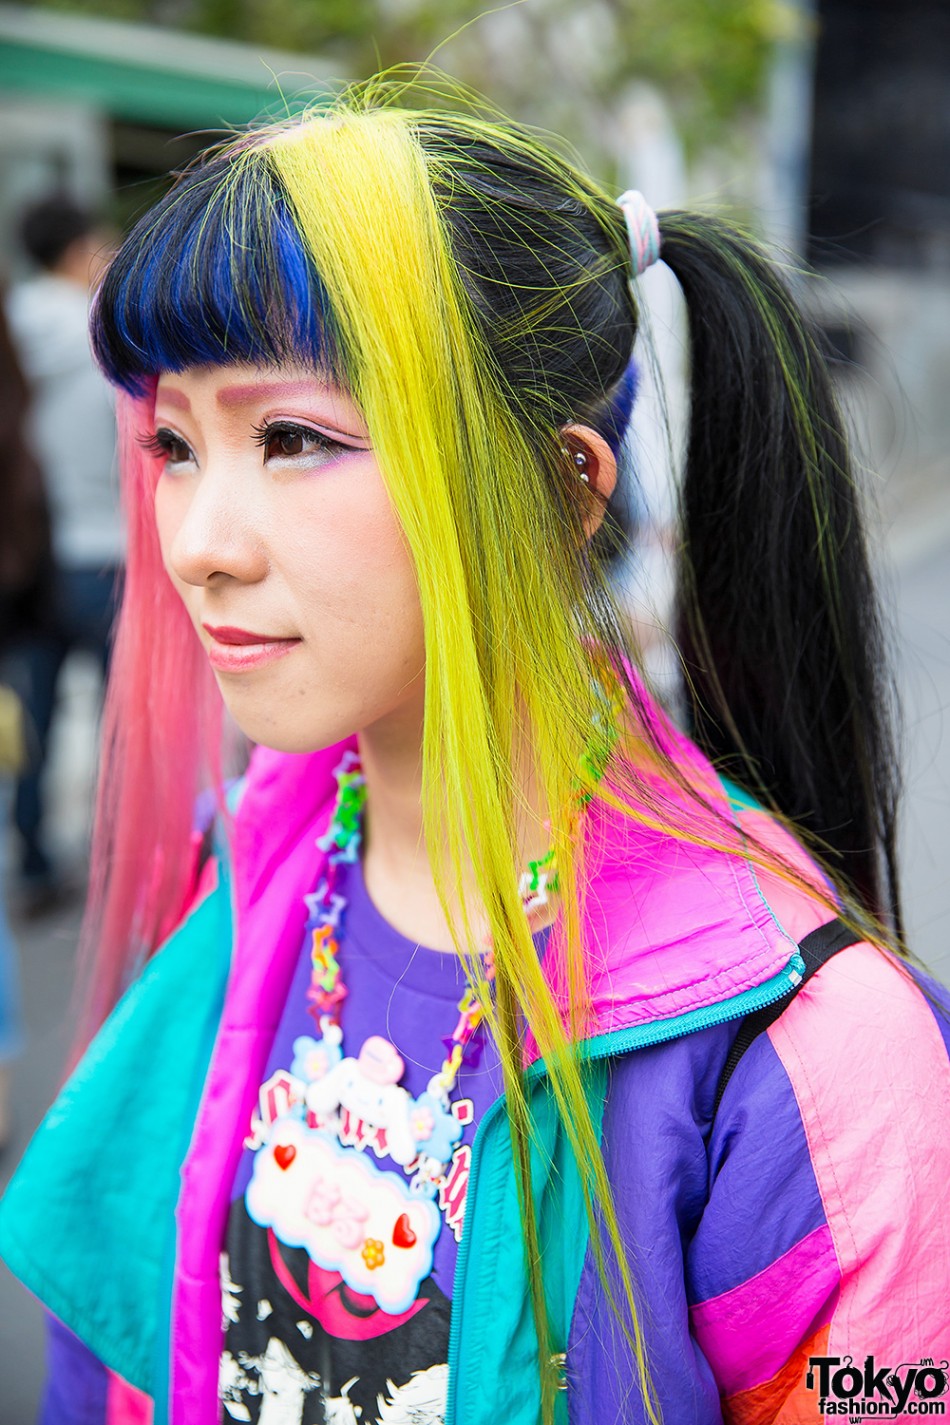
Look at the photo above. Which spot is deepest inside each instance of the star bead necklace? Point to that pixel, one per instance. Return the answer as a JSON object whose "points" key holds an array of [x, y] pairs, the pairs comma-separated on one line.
{"points": [[327, 907], [311, 1183], [342, 843]]}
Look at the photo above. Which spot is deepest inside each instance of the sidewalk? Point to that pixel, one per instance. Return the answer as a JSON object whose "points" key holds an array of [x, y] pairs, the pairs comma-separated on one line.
{"points": [[47, 959]]}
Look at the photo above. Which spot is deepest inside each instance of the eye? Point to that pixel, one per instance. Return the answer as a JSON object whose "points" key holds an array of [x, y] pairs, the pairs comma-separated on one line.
{"points": [[284, 440], [166, 445]]}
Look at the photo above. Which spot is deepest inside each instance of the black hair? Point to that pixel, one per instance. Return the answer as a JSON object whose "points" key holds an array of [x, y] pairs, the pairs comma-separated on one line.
{"points": [[777, 622], [49, 227], [516, 264], [173, 298], [777, 619]]}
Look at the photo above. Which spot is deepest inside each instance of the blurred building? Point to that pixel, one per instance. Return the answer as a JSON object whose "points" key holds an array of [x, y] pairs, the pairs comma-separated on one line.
{"points": [[879, 221], [99, 107]]}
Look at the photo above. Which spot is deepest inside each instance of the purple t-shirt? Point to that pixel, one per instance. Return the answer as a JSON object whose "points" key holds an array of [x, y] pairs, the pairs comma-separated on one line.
{"points": [[361, 1333]]}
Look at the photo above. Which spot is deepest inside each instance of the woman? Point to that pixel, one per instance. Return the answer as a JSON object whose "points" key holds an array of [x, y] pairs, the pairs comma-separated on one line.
{"points": [[376, 367]]}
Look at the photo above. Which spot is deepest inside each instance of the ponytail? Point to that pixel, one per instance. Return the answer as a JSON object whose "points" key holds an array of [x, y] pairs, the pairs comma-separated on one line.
{"points": [[776, 617]]}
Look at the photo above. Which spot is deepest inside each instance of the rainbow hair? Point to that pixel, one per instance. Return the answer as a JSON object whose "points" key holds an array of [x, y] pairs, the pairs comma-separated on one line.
{"points": [[469, 288], [248, 261]]}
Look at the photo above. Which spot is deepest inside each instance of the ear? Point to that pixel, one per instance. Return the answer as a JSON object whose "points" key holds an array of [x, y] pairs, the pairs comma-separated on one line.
{"points": [[592, 468]]}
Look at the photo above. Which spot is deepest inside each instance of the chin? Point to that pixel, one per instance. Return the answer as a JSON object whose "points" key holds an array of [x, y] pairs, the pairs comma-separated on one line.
{"points": [[290, 736]]}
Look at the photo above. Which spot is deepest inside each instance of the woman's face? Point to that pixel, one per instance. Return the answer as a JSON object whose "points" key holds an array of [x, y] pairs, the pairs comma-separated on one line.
{"points": [[277, 531]]}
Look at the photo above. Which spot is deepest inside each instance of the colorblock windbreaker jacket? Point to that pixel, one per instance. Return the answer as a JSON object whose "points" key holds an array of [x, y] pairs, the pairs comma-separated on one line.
{"points": [[787, 1245]]}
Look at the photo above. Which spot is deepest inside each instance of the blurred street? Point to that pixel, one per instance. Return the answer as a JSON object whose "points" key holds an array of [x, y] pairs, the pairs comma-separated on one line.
{"points": [[916, 558], [920, 548]]}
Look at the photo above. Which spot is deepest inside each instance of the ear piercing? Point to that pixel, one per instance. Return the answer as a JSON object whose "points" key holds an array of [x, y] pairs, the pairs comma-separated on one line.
{"points": [[580, 464]]}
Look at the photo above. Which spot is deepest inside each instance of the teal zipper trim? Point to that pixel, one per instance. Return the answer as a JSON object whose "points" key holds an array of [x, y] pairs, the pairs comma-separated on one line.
{"points": [[642, 1036], [461, 1260], [618, 1041], [739, 799]]}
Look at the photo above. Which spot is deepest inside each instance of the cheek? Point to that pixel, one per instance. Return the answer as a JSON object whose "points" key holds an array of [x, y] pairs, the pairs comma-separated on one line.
{"points": [[342, 562], [169, 514], [170, 506], [358, 573]]}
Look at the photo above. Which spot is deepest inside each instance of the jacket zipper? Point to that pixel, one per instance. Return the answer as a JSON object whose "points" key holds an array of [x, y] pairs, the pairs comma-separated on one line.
{"points": [[622, 1041]]}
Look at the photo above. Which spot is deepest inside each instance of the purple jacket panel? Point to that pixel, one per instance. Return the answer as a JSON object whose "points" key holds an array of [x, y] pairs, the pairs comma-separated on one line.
{"points": [[703, 1204]]}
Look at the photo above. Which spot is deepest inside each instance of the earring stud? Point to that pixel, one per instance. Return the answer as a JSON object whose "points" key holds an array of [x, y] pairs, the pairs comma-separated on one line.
{"points": [[580, 464]]}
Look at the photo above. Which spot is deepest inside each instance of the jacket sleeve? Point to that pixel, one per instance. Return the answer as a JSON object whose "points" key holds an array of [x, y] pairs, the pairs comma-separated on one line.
{"points": [[825, 1231], [81, 1391]]}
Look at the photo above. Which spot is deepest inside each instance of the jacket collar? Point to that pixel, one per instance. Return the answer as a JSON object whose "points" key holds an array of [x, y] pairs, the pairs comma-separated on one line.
{"points": [[670, 926]]}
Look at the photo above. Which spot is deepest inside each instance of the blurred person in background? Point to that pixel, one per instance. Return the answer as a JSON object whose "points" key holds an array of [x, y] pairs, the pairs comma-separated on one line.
{"points": [[72, 432], [499, 1053], [24, 605]]}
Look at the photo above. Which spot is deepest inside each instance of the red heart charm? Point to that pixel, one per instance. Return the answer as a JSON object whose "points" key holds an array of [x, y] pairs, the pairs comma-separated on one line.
{"points": [[403, 1235], [284, 1155]]}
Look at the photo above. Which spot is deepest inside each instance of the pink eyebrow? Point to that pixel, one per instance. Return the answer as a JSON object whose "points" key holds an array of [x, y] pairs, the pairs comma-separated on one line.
{"points": [[238, 395], [171, 397]]}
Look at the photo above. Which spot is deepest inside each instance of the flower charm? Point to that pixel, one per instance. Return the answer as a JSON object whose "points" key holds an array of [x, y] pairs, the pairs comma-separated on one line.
{"points": [[314, 1058], [443, 1129], [421, 1122], [372, 1253]]}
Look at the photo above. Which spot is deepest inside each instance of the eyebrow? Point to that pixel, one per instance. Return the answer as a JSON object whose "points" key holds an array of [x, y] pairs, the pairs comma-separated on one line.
{"points": [[172, 397], [254, 391], [251, 391]]}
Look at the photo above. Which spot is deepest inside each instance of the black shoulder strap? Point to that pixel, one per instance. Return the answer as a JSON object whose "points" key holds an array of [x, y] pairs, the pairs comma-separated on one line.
{"points": [[815, 949]]}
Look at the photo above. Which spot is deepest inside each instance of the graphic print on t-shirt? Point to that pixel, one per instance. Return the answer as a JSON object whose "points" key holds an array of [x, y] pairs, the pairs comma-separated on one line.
{"points": [[294, 1371], [342, 1237]]}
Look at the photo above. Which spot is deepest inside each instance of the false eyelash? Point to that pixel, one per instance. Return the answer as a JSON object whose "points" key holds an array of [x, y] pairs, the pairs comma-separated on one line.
{"points": [[153, 444], [268, 429]]}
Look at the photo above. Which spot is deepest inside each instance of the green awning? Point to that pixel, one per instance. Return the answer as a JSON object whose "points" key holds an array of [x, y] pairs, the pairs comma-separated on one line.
{"points": [[146, 75]]}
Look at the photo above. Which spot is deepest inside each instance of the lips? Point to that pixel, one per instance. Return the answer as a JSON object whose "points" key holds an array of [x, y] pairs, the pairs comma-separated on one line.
{"points": [[238, 650], [242, 636]]}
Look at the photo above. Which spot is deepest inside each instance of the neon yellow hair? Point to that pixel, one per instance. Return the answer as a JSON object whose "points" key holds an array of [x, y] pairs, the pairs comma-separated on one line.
{"points": [[504, 658]]}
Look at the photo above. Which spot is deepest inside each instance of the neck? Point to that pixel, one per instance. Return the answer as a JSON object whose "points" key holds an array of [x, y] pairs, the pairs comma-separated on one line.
{"points": [[395, 856]]}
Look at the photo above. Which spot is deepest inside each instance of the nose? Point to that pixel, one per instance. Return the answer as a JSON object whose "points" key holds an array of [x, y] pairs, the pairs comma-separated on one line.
{"points": [[217, 535]]}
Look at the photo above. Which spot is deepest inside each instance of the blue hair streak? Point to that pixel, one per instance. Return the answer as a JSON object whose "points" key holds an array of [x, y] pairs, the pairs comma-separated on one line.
{"points": [[216, 273], [616, 419]]}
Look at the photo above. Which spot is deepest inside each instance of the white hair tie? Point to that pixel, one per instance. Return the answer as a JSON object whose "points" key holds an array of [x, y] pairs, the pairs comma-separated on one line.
{"points": [[643, 230]]}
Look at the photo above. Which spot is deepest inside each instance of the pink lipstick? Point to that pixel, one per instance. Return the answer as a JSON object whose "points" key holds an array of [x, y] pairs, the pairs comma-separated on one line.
{"points": [[236, 650]]}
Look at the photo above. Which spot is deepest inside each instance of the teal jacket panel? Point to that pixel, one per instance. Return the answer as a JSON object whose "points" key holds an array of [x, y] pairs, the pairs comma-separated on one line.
{"points": [[122, 1127], [493, 1347]]}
